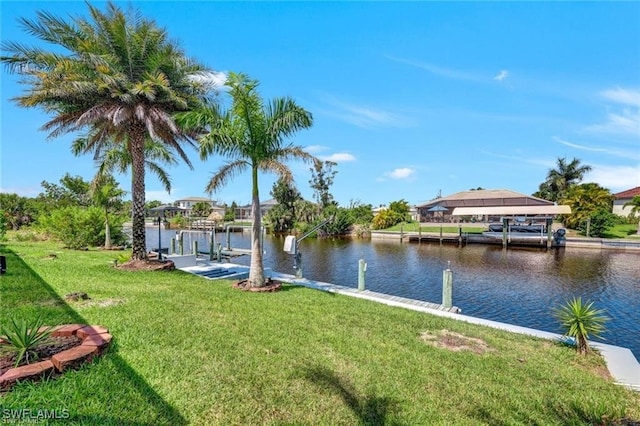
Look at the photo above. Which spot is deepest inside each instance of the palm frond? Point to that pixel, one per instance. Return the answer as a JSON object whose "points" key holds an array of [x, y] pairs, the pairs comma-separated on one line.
{"points": [[225, 173]]}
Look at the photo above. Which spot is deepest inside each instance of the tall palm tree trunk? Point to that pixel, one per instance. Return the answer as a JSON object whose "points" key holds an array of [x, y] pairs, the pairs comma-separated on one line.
{"points": [[256, 271], [107, 230], [137, 194]]}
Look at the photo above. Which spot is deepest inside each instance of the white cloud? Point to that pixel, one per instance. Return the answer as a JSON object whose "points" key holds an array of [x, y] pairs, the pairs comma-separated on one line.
{"points": [[212, 79], [401, 173], [624, 153], [616, 178], [573, 145], [339, 157], [438, 70], [623, 96], [501, 75], [623, 119], [364, 116], [626, 122], [367, 117]]}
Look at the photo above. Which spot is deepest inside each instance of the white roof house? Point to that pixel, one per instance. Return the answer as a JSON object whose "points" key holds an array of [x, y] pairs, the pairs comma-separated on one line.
{"points": [[189, 202]]}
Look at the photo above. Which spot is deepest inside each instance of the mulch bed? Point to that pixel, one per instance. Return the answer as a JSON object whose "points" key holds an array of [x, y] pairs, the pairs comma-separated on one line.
{"points": [[270, 286], [147, 265], [42, 352]]}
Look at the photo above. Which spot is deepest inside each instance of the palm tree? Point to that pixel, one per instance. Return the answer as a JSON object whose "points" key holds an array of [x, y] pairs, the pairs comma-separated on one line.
{"points": [[561, 178], [106, 194], [119, 77], [112, 157], [252, 135]]}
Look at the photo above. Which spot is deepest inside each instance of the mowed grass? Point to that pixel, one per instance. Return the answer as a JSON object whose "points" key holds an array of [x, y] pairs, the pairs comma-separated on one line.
{"points": [[191, 351]]}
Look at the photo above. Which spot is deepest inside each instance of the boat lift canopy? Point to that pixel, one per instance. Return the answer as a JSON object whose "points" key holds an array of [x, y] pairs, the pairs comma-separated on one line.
{"points": [[512, 210]]}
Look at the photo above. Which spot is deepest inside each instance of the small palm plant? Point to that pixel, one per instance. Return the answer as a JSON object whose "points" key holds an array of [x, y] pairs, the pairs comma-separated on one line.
{"points": [[581, 320], [23, 336]]}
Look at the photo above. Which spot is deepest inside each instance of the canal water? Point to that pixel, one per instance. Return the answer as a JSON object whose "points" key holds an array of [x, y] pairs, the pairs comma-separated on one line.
{"points": [[516, 286]]}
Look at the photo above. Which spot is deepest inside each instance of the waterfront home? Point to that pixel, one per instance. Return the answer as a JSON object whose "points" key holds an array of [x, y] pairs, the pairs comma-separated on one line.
{"points": [[622, 198]]}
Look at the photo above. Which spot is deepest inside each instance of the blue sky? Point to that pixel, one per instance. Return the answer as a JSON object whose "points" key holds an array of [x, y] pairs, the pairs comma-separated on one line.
{"points": [[409, 98]]}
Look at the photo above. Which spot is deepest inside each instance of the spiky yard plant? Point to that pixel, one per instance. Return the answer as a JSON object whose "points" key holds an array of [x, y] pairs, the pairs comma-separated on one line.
{"points": [[23, 336], [581, 320]]}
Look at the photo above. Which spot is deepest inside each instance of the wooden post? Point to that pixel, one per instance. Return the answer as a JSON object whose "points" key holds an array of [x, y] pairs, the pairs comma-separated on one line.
{"points": [[173, 246], [447, 288], [194, 247], [212, 242], [505, 228], [401, 233], [298, 264]]}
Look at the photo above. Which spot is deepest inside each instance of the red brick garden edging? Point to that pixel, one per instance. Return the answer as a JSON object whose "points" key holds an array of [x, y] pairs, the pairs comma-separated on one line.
{"points": [[95, 339]]}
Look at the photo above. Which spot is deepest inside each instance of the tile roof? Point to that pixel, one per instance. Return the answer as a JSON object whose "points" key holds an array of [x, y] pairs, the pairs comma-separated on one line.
{"points": [[629, 193], [486, 197]]}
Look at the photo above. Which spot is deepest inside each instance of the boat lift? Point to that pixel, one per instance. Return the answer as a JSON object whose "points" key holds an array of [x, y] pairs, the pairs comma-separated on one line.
{"points": [[291, 245], [216, 251]]}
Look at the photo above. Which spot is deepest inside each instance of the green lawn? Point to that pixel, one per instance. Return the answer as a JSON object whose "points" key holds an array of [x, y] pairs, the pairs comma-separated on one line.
{"points": [[191, 351], [623, 231]]}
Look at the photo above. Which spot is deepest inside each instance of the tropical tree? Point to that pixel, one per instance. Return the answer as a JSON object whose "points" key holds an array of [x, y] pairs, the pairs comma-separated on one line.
{"points": [[106, 194], [201, 209], [251, 134], [560, 178], [72, 191], [402, 208], [116, 76], [113, 157], [230, 212], [16, 210], [282, 216], [322, 175], [586, 200]]}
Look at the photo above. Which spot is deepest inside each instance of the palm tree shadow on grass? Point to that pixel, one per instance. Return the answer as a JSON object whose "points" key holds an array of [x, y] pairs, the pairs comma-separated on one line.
{"points": [[165, 413], [370, 409]]}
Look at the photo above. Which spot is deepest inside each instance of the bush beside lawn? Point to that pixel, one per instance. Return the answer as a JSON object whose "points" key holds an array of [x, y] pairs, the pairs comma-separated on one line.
{"points": [[191, 351]]}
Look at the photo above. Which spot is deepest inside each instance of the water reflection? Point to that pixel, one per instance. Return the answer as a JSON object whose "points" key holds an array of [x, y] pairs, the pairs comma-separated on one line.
{"points": [[517, 286]]}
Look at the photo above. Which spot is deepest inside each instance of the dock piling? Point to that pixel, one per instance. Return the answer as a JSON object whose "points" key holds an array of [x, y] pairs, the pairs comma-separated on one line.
{"points": [[447, 288], [362, 268]]}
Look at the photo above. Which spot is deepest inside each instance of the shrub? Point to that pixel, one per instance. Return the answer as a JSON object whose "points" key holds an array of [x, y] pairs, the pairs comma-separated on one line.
{"points": [[3, 225], [23, 336], [178, 222], [79, 227], [581, 320], [385, 219], [599, 224]]}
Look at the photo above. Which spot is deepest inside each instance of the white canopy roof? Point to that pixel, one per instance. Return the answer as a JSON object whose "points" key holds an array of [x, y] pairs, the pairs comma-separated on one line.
{"points": [[511, 210]]}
